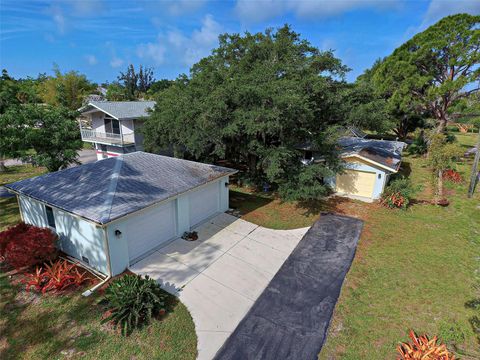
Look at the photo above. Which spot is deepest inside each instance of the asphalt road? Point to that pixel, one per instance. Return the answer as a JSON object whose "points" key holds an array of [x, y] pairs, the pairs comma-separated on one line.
{"points": [[291, 318]]}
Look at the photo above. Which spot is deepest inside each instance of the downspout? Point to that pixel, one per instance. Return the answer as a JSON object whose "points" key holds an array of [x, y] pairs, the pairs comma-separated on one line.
{"points": [[109, 267]]}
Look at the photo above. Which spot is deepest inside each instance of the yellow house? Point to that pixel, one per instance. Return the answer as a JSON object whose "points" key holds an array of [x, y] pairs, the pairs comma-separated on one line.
{"points": [[368, 165]]}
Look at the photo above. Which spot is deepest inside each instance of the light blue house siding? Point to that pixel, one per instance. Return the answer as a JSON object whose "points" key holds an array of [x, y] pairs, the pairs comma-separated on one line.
{"points": [[381, 176], [77, 237], [86, 240]]}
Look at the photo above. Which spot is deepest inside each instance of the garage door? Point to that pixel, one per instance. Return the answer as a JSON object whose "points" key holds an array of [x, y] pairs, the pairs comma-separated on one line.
{"points": [[203, 203], [150, 229], [353, 182]]}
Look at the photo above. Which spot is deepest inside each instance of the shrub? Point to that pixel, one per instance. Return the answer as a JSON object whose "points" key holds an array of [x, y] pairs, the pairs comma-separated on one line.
{"points": [[419, 145], [27, 245], [423, 348], [56, 276], [398, 193], [133, 301], [453, 176]]}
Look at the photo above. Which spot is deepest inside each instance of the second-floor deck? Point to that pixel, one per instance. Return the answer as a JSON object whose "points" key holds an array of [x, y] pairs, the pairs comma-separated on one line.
{"points": [[107, 138]]}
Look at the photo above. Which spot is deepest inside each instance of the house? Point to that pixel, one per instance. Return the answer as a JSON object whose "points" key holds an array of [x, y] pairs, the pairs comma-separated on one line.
{"points": [[113, 126], [368, 166], [112, 213]]}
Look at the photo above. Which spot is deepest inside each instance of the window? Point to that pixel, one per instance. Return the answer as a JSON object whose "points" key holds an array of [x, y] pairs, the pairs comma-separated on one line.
{"points": [[112, 125], [50, 217]]}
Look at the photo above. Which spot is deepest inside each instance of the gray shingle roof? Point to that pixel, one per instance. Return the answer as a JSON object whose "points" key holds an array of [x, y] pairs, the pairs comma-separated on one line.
{"points": [[121, 109], [385, 152], [108, 189]]}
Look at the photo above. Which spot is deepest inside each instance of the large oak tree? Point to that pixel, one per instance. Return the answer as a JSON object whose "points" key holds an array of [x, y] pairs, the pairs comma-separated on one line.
{"points": [[251, 102]]}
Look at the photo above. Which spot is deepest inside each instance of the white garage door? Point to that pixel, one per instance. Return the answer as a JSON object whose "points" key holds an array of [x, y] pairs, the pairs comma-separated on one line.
{"points": [[150, 229], [354, 182], [203, 203]]}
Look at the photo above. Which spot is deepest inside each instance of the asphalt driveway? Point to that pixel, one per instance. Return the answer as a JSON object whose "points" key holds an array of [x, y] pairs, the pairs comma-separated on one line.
{"points": [[221, 275], [291, 317]]}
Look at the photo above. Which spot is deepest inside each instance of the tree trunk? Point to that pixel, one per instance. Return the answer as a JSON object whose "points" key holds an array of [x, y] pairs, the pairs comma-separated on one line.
{"points": [[3, 168], [442, 125], [474, 174], [440, 186]]}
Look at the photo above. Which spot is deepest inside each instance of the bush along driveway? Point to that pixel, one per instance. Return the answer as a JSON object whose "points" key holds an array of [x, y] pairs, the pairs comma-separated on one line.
{"points": [[290, 319]]}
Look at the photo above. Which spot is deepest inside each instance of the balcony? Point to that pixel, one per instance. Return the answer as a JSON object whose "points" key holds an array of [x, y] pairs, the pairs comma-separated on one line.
{"points": [[107, 138]]}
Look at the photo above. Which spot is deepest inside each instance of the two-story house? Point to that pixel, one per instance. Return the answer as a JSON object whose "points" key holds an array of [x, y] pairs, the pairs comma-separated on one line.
{"points": [[113, 126]]}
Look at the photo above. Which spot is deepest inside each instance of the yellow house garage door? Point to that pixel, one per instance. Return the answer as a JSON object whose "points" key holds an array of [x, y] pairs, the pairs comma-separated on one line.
{"points": [[354, 182]]}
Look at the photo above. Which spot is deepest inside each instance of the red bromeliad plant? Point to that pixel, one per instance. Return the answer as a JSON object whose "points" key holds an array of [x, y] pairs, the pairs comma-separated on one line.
{"points": [[27, 245], [56, 276], [453, 176], [422, 348], [395, 200]]}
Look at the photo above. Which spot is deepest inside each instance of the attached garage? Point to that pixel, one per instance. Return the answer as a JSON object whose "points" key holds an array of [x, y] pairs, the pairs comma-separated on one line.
{"points": [[356, 182], [132, 204], [149, 230], [203, 203]]}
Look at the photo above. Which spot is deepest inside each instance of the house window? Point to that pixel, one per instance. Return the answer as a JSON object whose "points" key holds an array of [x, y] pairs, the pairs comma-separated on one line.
{"points": [[50, 217], [112, 125]]}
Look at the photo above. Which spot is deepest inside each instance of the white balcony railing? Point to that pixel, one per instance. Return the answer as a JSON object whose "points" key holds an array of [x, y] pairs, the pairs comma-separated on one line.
{"points": [[108, 138]]}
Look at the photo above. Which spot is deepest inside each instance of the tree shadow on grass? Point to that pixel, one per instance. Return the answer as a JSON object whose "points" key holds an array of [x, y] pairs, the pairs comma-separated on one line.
{"points": [[332, 204], [246, 203]]}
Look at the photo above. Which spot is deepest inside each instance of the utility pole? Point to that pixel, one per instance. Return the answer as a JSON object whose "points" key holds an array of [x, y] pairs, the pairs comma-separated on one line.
{"points": [[474, 174]]}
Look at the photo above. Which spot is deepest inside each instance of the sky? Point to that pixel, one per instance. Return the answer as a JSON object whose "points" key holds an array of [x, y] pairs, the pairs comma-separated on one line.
{"points": [[101, 37]]}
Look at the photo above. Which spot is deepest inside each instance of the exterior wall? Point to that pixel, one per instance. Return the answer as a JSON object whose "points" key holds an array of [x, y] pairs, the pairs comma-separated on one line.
{"points": [[98, 123], [127, 126], [118, 245], [138, 124], [358, 164], [224, 199], [77, 237], [113, 150]]}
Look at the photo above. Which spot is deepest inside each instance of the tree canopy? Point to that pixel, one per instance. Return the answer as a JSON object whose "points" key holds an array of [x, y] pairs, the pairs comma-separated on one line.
{"points": [[251, 102], [50, 131], [432, 71], [66, 89]]}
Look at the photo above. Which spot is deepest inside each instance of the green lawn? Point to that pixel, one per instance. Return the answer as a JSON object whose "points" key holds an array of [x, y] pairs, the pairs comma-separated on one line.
{"points": [[8, 206], [415, 269], [267, 210], [48, 327], [33, 327]]}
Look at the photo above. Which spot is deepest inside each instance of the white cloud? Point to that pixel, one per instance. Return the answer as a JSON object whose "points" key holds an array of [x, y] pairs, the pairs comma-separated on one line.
{"points": [[441, 8], [116, 62], [186, 48], [58, 18], [181, 7], [91, 59], [256, 11]]}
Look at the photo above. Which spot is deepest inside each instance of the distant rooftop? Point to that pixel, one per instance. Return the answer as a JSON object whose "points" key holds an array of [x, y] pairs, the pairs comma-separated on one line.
{"points": [[384, 152], [121, 109], [111, 188]]}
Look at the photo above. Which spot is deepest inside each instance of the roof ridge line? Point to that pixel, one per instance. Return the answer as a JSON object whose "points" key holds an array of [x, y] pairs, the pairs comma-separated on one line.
{"points": [[112, 189]]}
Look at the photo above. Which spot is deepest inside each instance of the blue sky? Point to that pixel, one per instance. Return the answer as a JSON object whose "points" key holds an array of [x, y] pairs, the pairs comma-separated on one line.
{"points": [[100, 38]]}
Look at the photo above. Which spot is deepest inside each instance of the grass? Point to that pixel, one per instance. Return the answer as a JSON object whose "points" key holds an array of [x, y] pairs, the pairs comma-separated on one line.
{"points": [[51, 327], [33, 327], [415, 269], [9, 214], [267, 210]]}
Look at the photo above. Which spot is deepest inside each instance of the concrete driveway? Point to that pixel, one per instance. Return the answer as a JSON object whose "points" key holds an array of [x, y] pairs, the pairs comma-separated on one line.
{"points": [[220, 275]]}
